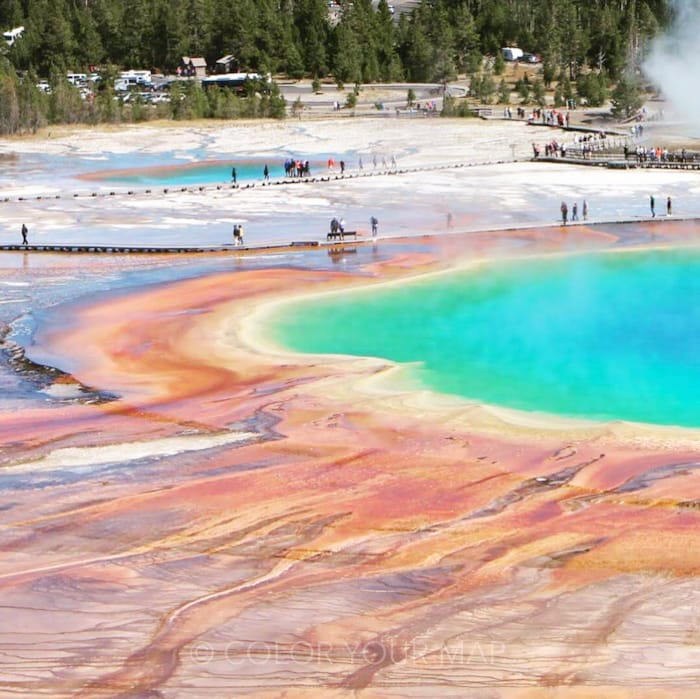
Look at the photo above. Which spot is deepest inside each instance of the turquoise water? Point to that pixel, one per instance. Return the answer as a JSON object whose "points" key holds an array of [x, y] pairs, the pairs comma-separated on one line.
{"points": [[203, 172], [608, 336]]}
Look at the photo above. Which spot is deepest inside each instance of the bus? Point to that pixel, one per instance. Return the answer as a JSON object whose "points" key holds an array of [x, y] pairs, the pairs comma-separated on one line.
{"points": [[237, 82]]}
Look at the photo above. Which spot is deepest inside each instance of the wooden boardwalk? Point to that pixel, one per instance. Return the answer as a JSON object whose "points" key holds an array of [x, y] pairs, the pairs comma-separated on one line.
{"points": [[151, 249], [614, 161]]}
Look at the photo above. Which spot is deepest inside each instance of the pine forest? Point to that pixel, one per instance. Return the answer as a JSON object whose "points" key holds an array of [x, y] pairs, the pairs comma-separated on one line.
{"points": [[584, 46]]}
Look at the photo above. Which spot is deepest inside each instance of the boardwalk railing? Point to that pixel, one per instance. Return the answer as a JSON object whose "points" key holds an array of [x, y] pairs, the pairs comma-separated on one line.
{"points": [[615, 157]]}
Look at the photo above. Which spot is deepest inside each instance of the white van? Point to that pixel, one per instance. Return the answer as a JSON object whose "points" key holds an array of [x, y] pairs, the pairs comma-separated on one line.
{"points": [[77, 79]]}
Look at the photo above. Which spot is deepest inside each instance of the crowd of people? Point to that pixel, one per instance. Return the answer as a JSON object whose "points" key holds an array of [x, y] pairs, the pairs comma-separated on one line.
{"points": [[551, 117], [553, 149], [296, 168], [656, 154], [587, 144], [584, 145]]}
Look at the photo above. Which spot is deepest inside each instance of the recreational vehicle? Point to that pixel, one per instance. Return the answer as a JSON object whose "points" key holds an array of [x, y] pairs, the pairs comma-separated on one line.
{"points": [[12, 35], [136, 77], [511, 53]]}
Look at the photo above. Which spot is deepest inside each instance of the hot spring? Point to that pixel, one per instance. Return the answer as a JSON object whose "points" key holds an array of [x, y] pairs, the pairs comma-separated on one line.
{"points": [[198, 172], [602, 336]]}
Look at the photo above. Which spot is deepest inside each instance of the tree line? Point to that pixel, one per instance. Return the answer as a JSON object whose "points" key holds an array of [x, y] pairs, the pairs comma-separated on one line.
{"points": [[350, 41]]}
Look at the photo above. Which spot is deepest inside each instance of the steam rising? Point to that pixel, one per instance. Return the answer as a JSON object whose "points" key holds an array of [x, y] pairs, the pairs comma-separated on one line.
{"points": [[673, 61]]}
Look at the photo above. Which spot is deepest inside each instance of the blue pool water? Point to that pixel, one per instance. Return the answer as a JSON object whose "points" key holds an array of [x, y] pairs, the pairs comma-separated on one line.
{"points": [[200, 172], [607, 336]]}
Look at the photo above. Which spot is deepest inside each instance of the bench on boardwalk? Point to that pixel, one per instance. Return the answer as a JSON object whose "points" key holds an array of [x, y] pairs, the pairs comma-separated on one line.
{"points": [[339, 235]]}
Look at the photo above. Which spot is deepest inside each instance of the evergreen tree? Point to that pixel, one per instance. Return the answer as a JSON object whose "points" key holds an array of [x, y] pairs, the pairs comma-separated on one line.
{"points": [[416, 53], [465, 39], [347, 54], [9, 104], [105, 107], [89, 49], [388, 61], [626, 98], [592, 87], [538, 93], [523, 89], [487, 88], [311, 30], [559, 100], [32, 104], [503, 92], [499, 64]]}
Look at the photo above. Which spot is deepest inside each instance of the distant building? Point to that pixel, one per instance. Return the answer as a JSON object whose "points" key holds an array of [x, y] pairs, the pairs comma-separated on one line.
{"points": [[227, 64], [193, 67]]}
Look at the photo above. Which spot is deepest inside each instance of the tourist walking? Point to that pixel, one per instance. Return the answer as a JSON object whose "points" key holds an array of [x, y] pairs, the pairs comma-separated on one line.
{"points": [[266, 173], [574, 212], [375, 222], [25, 230], [584, 210], [669, 206], [234, 175], [564, 212], [652, 205]]}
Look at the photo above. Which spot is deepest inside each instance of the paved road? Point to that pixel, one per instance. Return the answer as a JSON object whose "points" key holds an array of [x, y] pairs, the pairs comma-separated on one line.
{"points": [[404, 5], [400, 5], [390, 95]]}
